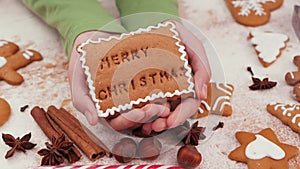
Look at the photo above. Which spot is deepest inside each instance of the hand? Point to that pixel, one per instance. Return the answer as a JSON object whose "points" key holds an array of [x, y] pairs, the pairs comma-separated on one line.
{"points": [[83, 102], [202, 73], [166, 119], [138, 117], [79, 90]]}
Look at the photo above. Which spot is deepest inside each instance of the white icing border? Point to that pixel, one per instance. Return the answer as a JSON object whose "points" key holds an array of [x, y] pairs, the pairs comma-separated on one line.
{"points": [[112, 110]]}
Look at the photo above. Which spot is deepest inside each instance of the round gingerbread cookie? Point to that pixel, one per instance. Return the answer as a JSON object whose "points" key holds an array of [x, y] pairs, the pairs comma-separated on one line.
{"points": [[4, 111]]}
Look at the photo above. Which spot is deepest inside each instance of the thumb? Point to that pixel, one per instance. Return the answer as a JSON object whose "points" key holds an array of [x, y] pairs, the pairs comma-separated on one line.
{"points": [[87, 107], [80, 92]]}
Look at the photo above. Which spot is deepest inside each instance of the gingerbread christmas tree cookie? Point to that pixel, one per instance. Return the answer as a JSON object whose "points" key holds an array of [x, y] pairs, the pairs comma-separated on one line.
{"points": [[218, 100], [263, 150], [268, 45], [136, 68], [289, 114]]}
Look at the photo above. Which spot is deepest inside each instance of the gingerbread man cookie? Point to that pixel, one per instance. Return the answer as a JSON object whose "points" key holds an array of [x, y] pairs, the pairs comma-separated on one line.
{"points": [[4, 111], [293, 79], [263, 150], [268, 45], [289, 114], [9, 65], [218, 100], [8, 48], [252, 12]]}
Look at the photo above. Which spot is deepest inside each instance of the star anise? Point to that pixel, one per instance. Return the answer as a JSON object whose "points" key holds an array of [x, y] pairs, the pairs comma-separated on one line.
{"points": [[260, 84], [17, 144], [194, 135], [54, 153]]}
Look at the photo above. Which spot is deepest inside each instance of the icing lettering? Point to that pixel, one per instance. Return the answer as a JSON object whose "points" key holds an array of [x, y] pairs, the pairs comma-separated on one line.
{"points": [[2, 43], [3, 61], [27, 54], [262, 147], [268, 44]]}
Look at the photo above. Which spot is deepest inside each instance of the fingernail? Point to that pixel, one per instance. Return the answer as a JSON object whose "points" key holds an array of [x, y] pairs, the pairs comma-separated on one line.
{"points": [[204, 91]]}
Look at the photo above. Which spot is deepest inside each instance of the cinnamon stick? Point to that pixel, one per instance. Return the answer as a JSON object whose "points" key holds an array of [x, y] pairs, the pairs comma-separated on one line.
{"points": [[51, 129], [76, 132]]}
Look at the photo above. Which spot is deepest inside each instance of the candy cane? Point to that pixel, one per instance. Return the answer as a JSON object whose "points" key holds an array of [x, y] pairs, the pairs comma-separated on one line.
{"points": [[158, 166]]}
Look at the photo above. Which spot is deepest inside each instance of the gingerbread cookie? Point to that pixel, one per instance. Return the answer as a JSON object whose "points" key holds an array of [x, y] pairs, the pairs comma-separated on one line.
{"points": [[289, 114], [252, 12], [4, 111], [8, 48], [293, 79], [268, 45], [263, 150], [218, 100], [135, 68], [10, 65]]}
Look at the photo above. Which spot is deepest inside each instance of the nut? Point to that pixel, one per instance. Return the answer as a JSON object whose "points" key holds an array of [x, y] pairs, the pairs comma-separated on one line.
{"points": [[296, 60], [188, 156], [125, 150], [149, 148]]}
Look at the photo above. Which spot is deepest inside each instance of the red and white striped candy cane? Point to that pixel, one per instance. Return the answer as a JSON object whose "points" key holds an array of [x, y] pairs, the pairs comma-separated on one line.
{"points": [[113, 167]]}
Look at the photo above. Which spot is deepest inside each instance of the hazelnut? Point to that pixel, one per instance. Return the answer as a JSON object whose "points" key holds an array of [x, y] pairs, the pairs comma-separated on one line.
{"points": [[149, 148], [188, 156], [125, 150], [297, 60]]}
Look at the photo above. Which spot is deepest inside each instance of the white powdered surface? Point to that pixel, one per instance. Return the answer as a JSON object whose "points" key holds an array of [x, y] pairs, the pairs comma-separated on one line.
{"points": [[46, 82]]}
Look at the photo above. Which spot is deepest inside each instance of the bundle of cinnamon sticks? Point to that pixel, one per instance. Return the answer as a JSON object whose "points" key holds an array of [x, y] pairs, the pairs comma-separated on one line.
{"points": [[54, 122]]}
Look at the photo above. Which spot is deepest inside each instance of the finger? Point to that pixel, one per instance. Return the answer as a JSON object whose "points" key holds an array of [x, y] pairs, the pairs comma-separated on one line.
{"points": [[201, 83], [152, 110], [147, 128], [80, 97], [89, 111], [194, 48], [159, 124], [182, 112], [127, 120], [168, 105]]}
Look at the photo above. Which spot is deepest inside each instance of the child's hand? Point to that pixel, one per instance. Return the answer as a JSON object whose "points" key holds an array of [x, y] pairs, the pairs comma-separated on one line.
{"points": [[79, 89], [167, 119], [202, 74], [199, 62], [143, 116]]}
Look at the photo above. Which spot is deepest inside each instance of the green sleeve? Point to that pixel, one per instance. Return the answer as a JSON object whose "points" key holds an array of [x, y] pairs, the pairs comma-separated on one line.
{"points": [[72, 17], [148, 12]]}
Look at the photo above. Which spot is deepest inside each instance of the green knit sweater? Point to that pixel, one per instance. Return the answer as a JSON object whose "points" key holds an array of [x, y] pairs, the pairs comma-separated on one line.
{"points": [[72, 17]]}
